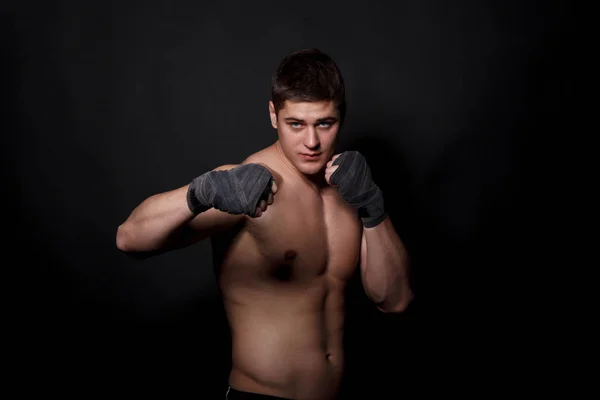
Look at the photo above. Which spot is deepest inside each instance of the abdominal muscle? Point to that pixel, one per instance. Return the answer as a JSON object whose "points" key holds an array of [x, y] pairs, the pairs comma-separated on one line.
{"points": [[287, 342]]}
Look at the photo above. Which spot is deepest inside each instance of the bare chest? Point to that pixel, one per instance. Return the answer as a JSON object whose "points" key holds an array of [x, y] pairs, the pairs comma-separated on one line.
{"points": [[305, 234]]}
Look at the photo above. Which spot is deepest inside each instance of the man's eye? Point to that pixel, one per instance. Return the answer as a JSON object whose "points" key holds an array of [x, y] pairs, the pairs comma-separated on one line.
{"points": [[325, 124], [295, 125]]}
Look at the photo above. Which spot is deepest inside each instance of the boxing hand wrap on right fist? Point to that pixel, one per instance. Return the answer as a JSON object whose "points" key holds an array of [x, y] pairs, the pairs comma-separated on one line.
{"points": [[235, 191], [356, 186]]}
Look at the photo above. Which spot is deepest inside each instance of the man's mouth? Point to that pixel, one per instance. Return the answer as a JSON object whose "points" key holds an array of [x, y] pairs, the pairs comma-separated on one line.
{"points": [[310, 156]]}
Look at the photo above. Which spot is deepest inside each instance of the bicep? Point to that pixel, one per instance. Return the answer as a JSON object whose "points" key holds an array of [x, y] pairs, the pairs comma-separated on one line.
{"points": [[203, 226], [211, 222]]}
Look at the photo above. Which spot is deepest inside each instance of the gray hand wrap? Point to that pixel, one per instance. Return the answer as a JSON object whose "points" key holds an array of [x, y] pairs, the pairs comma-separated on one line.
{"points": [[235, 191], [353, 179]]}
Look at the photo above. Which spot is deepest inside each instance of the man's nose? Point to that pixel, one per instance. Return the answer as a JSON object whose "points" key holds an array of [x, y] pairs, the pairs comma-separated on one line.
{"points": [[311, 139]]}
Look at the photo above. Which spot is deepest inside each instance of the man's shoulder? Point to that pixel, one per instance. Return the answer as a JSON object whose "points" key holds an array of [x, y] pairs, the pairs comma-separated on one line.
{"points": [[266, 156], [269, 158], [263, 156]]}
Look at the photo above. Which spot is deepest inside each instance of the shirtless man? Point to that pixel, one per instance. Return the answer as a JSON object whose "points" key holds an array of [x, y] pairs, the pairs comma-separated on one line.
{"points": [[293, 222]]}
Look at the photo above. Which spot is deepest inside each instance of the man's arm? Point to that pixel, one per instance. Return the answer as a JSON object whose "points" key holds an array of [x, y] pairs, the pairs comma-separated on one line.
{"points": [[164, 222], [384, 268]]}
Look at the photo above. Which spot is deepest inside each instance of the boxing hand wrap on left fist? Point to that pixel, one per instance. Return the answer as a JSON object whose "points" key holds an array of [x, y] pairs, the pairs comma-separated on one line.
{"points": [[354, 182]]}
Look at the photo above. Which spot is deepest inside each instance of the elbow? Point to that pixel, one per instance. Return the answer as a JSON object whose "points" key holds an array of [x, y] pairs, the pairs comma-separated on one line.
{"points": [[397, 307], [124, 239], [128, 243]]}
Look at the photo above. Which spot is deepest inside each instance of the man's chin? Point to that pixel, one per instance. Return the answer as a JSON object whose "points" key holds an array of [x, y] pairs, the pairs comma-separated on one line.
{"points": [[311, 170]]}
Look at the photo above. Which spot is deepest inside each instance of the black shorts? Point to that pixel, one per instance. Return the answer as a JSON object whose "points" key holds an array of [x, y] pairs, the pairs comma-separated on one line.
{"points": [[233, 394]]}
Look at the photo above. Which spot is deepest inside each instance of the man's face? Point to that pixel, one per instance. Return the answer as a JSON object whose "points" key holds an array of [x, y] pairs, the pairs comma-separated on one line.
{"points": [[307, 133]]}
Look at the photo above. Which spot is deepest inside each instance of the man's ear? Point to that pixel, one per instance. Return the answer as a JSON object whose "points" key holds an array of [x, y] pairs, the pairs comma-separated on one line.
{"points": [[273, 115]]}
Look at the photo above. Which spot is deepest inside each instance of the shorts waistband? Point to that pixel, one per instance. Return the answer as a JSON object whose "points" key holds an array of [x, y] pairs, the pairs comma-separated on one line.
{"points": [[234, 394]]}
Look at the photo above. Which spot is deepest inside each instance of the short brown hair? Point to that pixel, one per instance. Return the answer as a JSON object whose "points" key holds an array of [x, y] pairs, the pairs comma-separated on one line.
{"points": [[308, 75]]}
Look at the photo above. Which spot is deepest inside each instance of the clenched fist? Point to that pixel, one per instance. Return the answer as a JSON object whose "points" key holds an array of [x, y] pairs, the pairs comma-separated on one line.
{"points": [[350, 173]]}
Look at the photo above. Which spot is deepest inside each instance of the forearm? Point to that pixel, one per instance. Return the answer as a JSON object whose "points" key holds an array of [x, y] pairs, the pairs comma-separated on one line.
{"points": [[385, 271], [152, 224]]}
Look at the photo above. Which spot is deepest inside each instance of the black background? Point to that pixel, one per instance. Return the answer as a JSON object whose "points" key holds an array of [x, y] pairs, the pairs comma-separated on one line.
{"points": [[109, 102]]}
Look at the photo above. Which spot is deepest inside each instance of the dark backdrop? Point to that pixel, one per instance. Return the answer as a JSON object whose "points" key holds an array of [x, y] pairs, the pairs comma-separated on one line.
{"points": [[109, 102]]}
